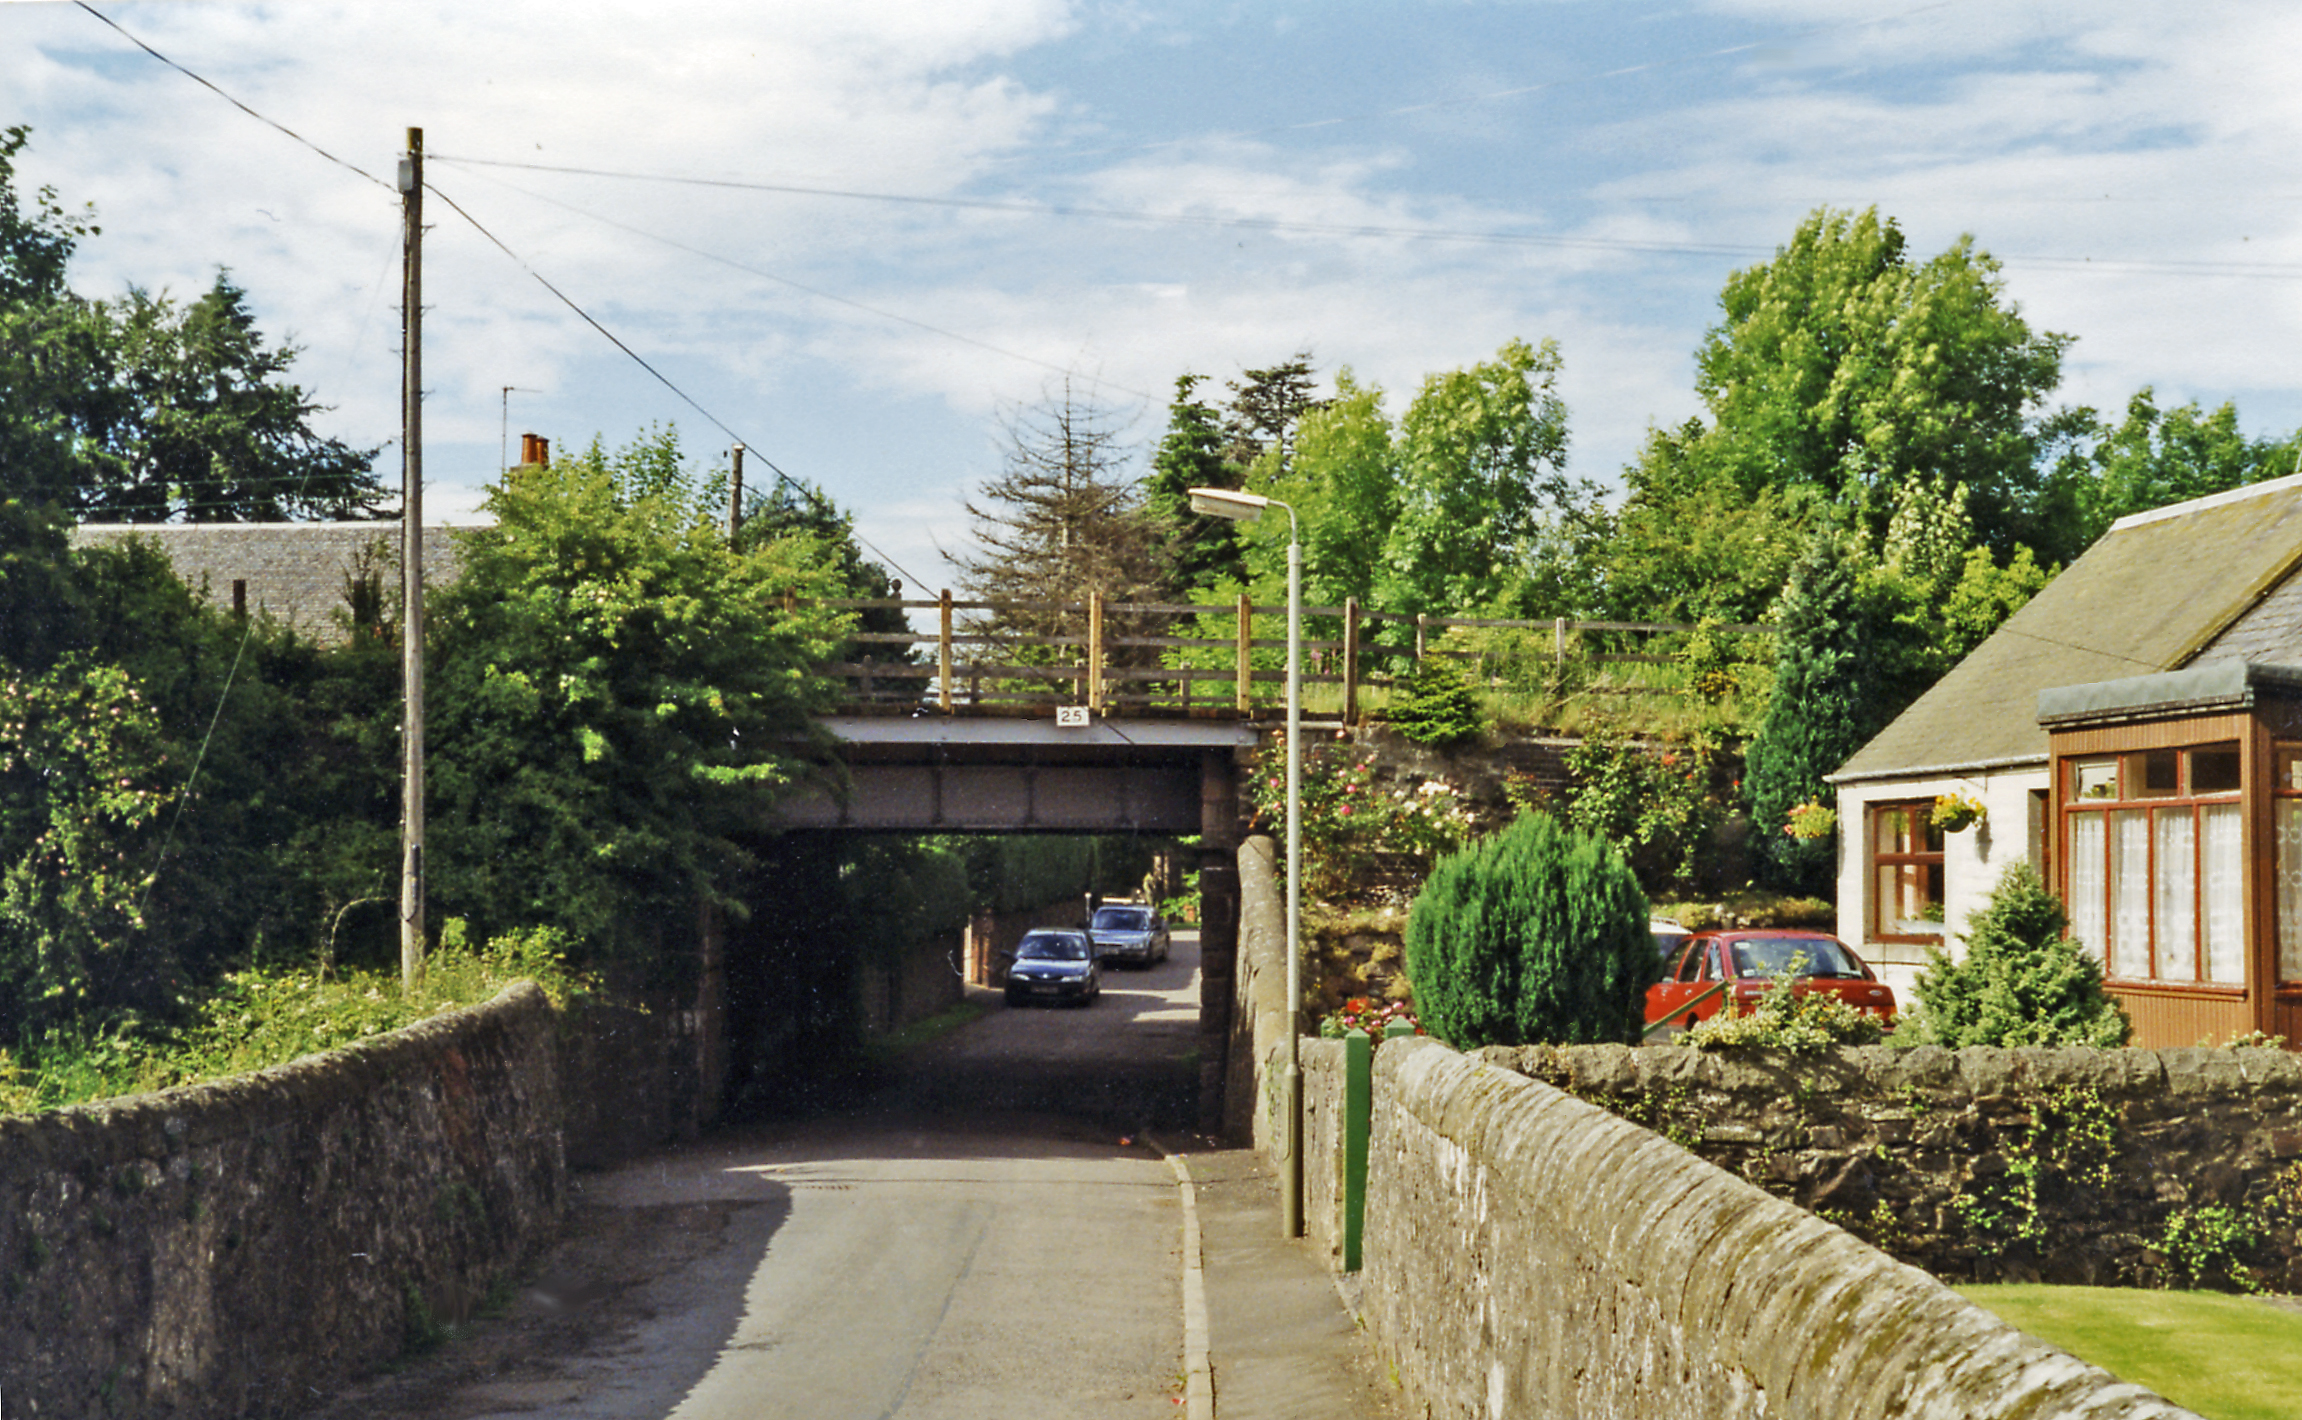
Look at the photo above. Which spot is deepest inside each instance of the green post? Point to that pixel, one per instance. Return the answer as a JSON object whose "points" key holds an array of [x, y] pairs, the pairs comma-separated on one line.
{"points": [[1358, 1117]]}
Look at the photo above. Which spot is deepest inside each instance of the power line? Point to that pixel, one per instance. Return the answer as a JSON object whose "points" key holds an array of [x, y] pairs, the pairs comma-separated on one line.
{"points": [[815, 291], [2121, 265], [227, 98], [1122, 214], [822, 503]]}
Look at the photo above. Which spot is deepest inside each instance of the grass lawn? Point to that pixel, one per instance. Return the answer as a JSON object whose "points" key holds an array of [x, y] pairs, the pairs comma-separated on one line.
{"points": [[2226, 1357]]}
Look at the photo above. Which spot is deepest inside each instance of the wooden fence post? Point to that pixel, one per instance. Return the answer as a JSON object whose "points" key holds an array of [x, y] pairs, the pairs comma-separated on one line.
{"points": [[1246, 645], [943, 649], [1351, 661], [1095, 652], [1422, 622], [1559, 632]]}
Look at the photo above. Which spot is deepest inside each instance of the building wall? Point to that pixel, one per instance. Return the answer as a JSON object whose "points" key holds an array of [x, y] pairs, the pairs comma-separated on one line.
{"points": [[1972, 860]]}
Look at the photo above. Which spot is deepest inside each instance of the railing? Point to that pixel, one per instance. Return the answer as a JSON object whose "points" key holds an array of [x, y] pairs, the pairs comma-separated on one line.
{"points": [[1122, 656]]}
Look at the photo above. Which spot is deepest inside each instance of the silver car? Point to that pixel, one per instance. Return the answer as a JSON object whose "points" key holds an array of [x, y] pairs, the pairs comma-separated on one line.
{"points": [[1129, 932]]}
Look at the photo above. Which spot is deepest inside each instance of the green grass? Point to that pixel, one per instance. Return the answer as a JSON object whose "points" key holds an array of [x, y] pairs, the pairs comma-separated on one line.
{"points": [[2226, 1357], [257, 1018]]}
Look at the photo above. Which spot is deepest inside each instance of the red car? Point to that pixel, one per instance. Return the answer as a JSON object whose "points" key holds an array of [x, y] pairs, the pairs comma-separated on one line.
{"points": [[1746, 963]]}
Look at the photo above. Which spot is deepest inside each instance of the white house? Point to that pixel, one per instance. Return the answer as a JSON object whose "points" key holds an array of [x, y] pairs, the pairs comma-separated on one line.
{"points": [[2135, 734]]}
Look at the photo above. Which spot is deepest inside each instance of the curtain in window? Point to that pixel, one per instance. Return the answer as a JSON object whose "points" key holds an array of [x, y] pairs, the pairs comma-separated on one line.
{"points": [[2223, 860], [2174, 894], [2130, 893], [2290, 889], [2088, 921]]}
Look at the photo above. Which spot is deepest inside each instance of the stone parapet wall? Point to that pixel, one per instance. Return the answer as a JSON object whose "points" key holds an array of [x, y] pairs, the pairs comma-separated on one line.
{"points": [[1531, 1254], [1985, 1164], [226, 1249]]}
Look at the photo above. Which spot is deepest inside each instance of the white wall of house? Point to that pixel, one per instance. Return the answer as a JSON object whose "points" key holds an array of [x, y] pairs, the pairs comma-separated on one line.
{"points": [[1972, 860]]}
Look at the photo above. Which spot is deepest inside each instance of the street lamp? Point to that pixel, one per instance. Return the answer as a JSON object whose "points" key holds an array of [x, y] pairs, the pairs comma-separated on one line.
{"points": [[1246, 508]]}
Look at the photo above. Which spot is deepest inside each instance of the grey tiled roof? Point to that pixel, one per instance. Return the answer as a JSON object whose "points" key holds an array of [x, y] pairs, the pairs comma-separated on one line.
{"points": [[2207, 580], [295, 571]]}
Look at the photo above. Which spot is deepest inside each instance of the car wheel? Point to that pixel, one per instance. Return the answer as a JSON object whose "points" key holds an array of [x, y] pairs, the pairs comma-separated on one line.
{"points": [[1014, 998]]}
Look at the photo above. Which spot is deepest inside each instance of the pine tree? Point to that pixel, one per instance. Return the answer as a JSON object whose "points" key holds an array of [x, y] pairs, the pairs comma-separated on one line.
{"points": [[1063, 519], [2023, 980], [1204, 550], [1819, 712], [1536, 934]]}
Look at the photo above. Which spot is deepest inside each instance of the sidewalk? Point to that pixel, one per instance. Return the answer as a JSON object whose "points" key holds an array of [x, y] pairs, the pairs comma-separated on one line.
{"points": [[1280, 1344]]}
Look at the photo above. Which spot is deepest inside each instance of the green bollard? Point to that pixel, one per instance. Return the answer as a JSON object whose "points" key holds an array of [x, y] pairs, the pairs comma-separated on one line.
{"points": [[1358, 1119]]}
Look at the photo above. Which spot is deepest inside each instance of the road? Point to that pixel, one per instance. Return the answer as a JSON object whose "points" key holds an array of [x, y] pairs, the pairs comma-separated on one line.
{"points": [[959, 1248]]}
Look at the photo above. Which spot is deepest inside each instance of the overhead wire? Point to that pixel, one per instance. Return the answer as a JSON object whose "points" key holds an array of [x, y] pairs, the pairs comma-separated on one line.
{"points": [[822, 503], [816, 291], [2267, 270]]}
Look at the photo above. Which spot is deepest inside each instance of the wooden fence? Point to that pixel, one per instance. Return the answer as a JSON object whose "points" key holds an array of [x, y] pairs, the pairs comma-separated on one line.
{"points": [[1123, 657]]}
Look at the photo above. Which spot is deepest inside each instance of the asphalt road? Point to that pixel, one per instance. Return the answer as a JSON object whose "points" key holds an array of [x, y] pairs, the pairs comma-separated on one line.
{"points": [[969, 1244]]}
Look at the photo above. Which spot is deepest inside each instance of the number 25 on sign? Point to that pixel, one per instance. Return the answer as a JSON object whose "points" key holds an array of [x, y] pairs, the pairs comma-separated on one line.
{"points": [[1071, 717]]}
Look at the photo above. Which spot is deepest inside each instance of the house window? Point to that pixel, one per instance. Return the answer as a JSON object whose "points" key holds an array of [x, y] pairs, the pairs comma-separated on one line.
{"points": [[2286, 809], [2154, 852], [1905, 873]]}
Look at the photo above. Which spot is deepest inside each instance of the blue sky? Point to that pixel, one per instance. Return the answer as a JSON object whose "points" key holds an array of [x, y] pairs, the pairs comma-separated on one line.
{"points": [[1397, 188]]}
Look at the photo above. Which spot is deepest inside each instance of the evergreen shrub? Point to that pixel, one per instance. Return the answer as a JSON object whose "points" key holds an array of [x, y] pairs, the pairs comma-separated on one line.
{"points": [[1435, 705], [2023, 980], [1535, 935]]}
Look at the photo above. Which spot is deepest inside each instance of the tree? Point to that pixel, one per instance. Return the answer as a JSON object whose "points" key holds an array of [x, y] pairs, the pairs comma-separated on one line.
{"points": [[1441, 513], [1538, 934], [1265, 407], [1841, 369], [1820, 710], [185, 413], [1063, 519], [1481, 456], [2152, 458], [142, 409], [2022, 981], [618, 699], [1190, 455]]}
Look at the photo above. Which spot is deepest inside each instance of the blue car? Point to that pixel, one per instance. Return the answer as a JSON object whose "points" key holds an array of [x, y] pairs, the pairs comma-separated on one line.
{"points": [[1054, 966]]}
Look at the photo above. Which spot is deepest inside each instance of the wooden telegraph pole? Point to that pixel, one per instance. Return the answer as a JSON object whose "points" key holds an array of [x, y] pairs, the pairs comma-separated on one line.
{"points": [[412, 563], [735, 497]]}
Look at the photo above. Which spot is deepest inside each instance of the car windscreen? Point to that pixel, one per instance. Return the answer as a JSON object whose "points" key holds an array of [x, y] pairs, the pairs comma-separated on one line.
{"points": [[1772, 956], [1122, 919], [1051, 949]]}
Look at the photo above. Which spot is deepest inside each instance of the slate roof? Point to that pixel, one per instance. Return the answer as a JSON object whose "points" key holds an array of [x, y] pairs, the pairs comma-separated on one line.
{"points": [[295, 571], [2194, 583]]}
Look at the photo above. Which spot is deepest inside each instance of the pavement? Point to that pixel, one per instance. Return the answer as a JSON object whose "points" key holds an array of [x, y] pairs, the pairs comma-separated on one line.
{"points": [[1280, 1339]]}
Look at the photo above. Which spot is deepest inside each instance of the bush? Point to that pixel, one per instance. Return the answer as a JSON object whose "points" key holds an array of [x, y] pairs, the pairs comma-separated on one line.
{"points": [[1538, 934], [2023, 981], [1786, 1020], [1434, 705]]}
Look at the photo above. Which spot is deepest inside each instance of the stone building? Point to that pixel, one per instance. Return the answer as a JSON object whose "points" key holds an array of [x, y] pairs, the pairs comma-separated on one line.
{"points": [[301, 574]]}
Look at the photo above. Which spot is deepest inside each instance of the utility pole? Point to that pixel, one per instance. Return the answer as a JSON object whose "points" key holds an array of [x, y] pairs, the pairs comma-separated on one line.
{"points": [[735, 497], [412, 563]]}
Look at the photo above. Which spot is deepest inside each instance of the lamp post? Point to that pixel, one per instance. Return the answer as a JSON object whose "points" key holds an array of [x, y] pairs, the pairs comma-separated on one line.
{"points": [[1246, 508]]}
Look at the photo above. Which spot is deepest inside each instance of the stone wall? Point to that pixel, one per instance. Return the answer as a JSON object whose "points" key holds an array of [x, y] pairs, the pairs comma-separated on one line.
{"points": [[1258, 1001], [1531, 1254], [225, 1249], [1993, 1165]]}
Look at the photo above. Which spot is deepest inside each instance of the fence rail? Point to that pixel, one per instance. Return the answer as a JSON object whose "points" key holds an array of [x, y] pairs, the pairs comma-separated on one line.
{"points": [[1117, 657]]}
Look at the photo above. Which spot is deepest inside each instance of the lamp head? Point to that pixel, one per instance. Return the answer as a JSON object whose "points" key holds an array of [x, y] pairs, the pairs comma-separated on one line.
{"points": [[1228, 503]]}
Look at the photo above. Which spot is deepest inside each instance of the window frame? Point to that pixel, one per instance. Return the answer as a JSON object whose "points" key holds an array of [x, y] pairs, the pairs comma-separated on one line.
{"points": [[1875, 861], [2132, 796]]}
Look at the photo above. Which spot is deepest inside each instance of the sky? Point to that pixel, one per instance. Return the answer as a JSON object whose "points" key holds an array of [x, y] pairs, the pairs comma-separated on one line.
{"points": [[859, 238]]}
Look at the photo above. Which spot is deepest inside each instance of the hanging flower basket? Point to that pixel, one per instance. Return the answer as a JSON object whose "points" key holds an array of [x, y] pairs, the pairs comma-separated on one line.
{"points": [[1811, 821], [1954, 813]]}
